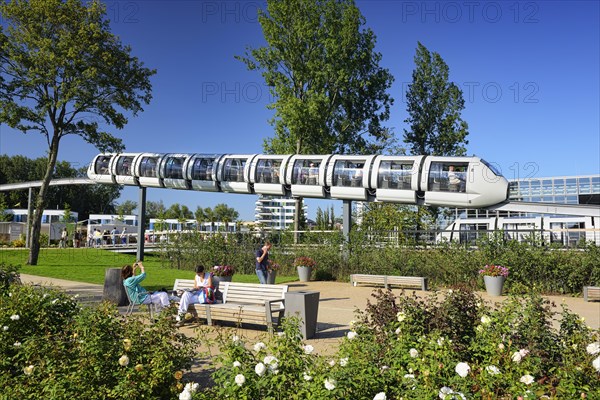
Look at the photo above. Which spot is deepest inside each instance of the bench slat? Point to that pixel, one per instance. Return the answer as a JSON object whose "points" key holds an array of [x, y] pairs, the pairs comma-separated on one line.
{"points": [[591, 293]]}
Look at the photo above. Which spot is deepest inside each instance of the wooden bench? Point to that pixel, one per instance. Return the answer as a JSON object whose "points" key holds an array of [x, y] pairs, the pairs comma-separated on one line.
{"points": [[242, 302], [591, 293], [389, 280]]}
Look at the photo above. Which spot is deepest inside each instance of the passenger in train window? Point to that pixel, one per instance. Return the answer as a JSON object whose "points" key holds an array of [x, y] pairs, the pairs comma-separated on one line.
{"points": [[456, 181]]}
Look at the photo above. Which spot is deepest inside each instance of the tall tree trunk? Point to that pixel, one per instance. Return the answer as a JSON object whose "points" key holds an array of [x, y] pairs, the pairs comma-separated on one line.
{"points": [[36, 229]]}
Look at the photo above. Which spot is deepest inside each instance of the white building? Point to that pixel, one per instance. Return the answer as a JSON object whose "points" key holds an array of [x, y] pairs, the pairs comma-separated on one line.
{"points": [[275, 213]]}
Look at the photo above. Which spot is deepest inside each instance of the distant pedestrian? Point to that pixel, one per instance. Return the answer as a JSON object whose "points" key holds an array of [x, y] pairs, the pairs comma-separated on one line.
{"points": [[64, 236], [124, 236], [77, 239], [114, 234]]}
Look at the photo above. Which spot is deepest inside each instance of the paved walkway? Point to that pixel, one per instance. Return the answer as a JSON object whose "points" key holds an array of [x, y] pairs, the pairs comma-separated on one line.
{"points": [[337, 303]]}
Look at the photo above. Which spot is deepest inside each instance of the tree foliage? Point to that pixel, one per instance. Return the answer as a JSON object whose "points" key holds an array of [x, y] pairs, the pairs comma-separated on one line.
{"points": [[84, 199], [62, 72], [323, 71], [434, 106]]}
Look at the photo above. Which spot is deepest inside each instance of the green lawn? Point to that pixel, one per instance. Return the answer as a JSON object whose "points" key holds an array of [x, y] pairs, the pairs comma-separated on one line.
{"points": [[89, 265]]}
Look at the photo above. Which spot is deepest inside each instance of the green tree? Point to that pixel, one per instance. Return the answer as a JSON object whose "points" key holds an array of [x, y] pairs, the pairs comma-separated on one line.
{"points": [[434, 105], [321, 67], [179, 212], [61, 72], [126, 208], [154, 209], [225, 214]]}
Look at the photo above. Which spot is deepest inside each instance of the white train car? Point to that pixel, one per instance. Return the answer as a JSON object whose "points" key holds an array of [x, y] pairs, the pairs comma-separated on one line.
{"points": [[145, 168], [234, 173], [267, 173], [396, 178], [99, 168], [121, 167], [202, 170], [171, 170], [461, 182], [348, 177], [306, 175]]}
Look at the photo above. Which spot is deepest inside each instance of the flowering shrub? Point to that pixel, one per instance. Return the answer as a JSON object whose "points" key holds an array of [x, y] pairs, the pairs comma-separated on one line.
{"points": [[304, 262], [408, 348], [494, 270], [223, 270], [52, 347]]}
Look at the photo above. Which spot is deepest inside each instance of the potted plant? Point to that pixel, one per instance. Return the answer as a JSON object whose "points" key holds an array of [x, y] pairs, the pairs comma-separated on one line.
{"points": [[494, 277], [272, 272], [222, 273], [304, 265]]}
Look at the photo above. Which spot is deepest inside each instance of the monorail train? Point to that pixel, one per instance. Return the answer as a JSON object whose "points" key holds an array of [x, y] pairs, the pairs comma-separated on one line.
{"points": [[425, 180]]}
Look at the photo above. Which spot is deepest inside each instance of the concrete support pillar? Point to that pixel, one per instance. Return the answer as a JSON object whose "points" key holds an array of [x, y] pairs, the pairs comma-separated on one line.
{"points": [[141, 229]]}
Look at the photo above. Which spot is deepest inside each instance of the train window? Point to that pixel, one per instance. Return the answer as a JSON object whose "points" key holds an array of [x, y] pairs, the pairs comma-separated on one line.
{"points": [[202, 169], [124, 165], [267, 171], [306, 172], [491, 167], [101, 167], [174, 168], [448, 176], [395, 175], [148, 167], [348, 173], [234, 169]]}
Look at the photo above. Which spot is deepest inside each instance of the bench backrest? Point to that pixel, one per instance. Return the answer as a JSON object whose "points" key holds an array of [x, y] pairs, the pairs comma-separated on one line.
{"points": [[182, 284], [251, 293]]}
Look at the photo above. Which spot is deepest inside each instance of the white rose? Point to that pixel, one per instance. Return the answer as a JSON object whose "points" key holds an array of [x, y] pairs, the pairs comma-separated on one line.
{"points": [[593, 348], [237, 364], [516, 357], [352, 335], [240, 379], [330, 384], [259, 346], [492, 370], [191, 387], [260, 369], [486, 320], [380, 396], [527, 379], [462, 369], [15, 317], [124, 361], [444, 392], [307, 377], [343, 361], [400, 316], [5, 328], [308, 349], [414, 353], [596, 364], [185, 395]]}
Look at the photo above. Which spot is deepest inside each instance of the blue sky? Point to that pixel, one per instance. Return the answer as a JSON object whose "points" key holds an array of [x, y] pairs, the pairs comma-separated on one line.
{"points": [[529, 72]]}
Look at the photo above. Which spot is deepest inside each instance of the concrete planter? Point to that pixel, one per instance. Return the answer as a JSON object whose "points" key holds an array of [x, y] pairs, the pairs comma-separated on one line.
{"points": [[304, 273], [271, 277], [494, 284]]}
